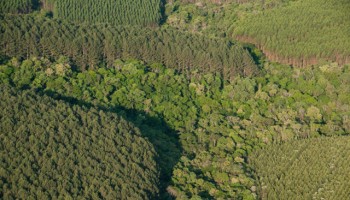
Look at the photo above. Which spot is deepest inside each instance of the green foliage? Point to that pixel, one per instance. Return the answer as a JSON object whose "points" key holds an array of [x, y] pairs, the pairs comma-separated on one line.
{"points": [[305, 169], [17, 6], [198, 118], [27, 36], [204, 17], [116, 12], [302, 33], [218, 126], [53, 150], [296, 32], [214, 18]]}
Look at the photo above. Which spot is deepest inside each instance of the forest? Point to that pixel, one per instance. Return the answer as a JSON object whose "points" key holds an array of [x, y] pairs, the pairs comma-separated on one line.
{"points": [[88, 46], [17, 6], [215, 125], [136, 12], [51, 149], [293, 32], [322, 24], [324, 174], [174, 99]]}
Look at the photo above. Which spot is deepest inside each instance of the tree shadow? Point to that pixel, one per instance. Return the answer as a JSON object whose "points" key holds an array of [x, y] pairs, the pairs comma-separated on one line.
{"points": [[36, 4], [256, 54], [3, 59], [163, 138], [162, 11]]}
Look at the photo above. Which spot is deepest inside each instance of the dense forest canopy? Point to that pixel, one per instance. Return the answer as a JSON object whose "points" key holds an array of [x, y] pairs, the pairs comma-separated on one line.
{"points": [[117, 12], [324, 174], [295, 32], [166, 100], [51, 149], [214, 18], [215, 124], [17, 6], [303, 33], [26, 36]]}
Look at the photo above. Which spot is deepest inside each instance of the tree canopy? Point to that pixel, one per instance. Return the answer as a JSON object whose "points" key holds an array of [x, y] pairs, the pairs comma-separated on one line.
{"points": [[218, 126], [17, 6], [50, 149], [302, 33], [87, 46], [164, 99], [304, 169], [117, 12]]}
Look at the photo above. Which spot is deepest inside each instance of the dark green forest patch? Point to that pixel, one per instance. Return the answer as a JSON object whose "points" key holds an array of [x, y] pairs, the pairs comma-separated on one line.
{"points": [[51, 149], [88, 46], [18, 6], [164, 139]]}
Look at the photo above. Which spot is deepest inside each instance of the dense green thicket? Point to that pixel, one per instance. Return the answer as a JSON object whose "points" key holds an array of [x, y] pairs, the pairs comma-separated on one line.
{"points": [[51, 149], [218, 126], [117, 12], [302, 33], [17, 6], [304, 169], [26, 36]]}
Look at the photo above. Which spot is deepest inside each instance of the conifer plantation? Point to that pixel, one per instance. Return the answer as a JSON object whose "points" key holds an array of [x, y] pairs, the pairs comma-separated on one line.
{"points": [[17, 6], [301, 33], [88, 46], [117, 12], [51, 150], [174, 99], [305, 169]]}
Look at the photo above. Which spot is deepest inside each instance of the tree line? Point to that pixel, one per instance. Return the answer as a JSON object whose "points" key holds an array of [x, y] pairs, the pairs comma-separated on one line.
{"points": [[88, 46]]}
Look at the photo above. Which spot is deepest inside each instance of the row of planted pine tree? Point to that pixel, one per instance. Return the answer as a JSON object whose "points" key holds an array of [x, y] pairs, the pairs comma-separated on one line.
{"points": [[301, 33], [88, 46], [117, 12], [16, 6], [52, 149], [304, 169]]}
